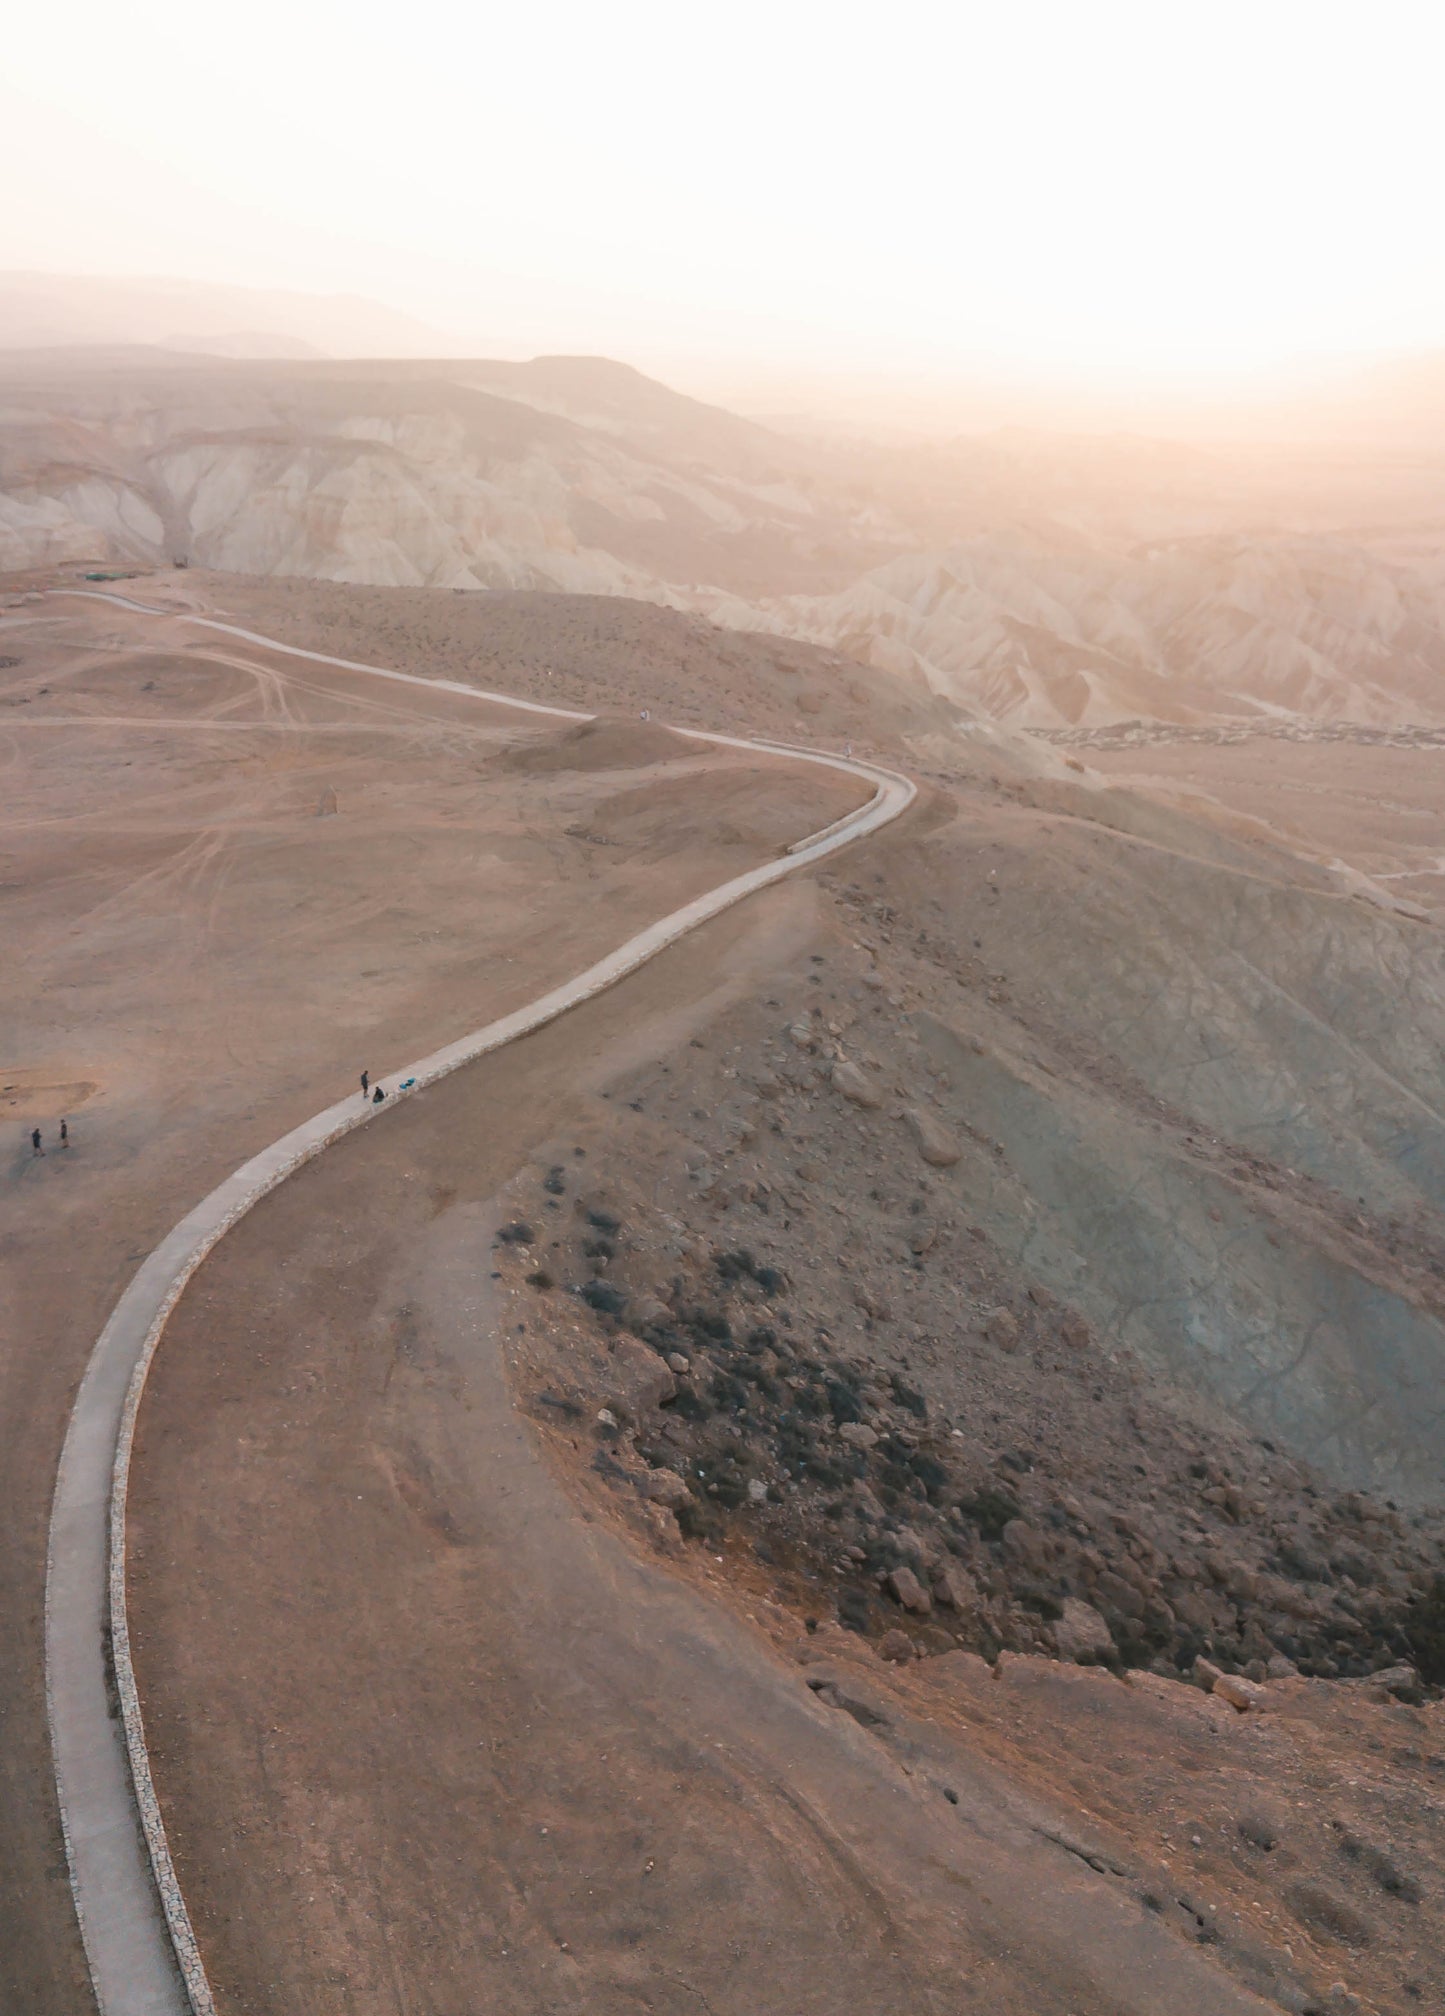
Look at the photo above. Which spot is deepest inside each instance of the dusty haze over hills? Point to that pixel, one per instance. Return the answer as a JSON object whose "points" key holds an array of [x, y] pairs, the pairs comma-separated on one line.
{"points": [[1052, 579], [40, 311], [880, 1444]]}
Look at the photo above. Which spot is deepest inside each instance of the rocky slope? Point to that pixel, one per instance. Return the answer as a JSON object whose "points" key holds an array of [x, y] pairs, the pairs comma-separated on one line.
{"points": [[987, 1299], [1026, 1312]]}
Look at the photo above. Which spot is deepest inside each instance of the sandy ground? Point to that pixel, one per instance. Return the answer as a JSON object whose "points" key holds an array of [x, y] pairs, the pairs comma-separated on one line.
{"points": [[330, 1413], [549, 1777], [429, 1692], [228, 883], [1379, 807], [585, 651], [479, 1724]]}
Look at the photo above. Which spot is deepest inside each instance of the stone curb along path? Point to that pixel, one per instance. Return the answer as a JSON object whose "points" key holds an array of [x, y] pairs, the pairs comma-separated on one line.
{"points": [[139, 1941]]}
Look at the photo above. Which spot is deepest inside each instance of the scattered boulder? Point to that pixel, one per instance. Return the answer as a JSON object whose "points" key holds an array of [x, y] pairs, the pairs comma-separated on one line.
{"points": [[679, 1362], [933, 1140], [1024, 1545], [1241, 1694], [1081, 1633], [897, 1646], [857, 1086], [665, 1487], [1001, 1327], [857, 1435], [871, 1302], [841, 1689], [1397, 1683], [955, 1588], [635, 1379], [906, 1589], [1075, 1332], [1118, 1594]]}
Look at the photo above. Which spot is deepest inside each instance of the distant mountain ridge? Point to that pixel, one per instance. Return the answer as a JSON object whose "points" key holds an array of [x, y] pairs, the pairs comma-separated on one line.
{"points": [[1042, 580], [60, 310]]}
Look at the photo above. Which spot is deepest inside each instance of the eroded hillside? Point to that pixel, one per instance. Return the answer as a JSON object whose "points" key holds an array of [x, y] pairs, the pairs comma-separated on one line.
{"points": [[1043, 580]]}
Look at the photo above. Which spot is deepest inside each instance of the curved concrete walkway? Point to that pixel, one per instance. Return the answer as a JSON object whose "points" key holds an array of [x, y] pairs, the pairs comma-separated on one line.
{"points": [[139, 1942]]}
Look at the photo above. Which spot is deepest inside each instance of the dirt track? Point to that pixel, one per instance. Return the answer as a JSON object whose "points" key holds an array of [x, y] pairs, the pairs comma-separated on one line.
{"points": [[471, 1749], [202, 960], [1041, 953]]}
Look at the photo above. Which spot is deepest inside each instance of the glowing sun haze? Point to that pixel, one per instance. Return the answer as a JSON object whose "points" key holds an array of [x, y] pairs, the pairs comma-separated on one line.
{"points": [[1166, 188]]}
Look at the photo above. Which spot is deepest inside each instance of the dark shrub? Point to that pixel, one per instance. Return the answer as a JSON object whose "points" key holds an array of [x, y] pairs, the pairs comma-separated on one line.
{"points": [[604, 1298], [990, 1511]]}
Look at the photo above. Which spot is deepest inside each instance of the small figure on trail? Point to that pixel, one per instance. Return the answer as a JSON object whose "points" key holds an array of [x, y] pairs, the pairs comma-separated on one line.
{"points": [[377, 1096], [647, 714], [365, 1083], [64, 1134], [35, 1147], [847, 748]]}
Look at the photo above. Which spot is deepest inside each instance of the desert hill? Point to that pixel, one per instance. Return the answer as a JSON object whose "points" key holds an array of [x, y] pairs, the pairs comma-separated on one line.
{"points": [[1046, 580], [790, 1473]]}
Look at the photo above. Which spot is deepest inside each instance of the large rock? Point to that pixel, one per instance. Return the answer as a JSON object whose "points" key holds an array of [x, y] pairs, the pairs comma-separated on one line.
{"points": [[857, 1086], [1001, 1327], [1119, 1594], [1081, 1633], [1399, 1683], [955, 1589], [1025, 1545], [1240, 1693], [635, 1380], [906, 1589], [934, 1142], [665, 1487]]}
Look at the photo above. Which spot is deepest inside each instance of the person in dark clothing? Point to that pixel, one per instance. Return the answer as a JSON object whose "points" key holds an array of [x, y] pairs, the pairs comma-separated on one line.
{"points": [[64, 1134], [365, 1083], [377, 1096], [35, 1147]]}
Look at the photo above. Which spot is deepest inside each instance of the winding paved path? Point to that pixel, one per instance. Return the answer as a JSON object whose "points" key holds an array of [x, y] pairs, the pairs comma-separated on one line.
{"points": [[138, 1938]]}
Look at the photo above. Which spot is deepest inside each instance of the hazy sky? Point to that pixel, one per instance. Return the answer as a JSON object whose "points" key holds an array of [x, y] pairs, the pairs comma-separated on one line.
{"points": [[1162, 187]]}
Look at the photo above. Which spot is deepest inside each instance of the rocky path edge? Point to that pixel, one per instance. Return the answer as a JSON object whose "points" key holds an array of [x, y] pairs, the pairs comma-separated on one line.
{"points": [[139, 1942]]}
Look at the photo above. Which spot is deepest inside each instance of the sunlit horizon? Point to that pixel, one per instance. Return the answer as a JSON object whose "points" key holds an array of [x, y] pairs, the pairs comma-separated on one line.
{"points": [[1133, 199]]}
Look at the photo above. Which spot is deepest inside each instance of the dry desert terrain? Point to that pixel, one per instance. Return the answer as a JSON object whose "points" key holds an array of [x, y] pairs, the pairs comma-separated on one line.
{"points": [[737, 1501]]}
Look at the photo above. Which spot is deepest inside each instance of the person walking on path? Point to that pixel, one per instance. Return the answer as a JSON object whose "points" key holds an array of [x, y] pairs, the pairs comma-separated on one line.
{"points": [[35, 1147], [365, 1083], [64, 1134]]}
